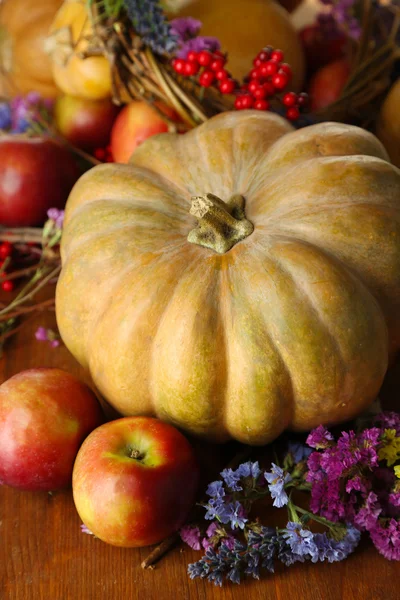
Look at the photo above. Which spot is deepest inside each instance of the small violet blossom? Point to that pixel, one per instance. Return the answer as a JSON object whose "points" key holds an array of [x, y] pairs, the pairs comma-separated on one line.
{"points": [[57, 216], [191, 536], [277, 479], [47, 335]]}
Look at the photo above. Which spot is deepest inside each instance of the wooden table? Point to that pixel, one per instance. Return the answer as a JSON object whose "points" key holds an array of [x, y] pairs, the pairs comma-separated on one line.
{"points": [[44, 555]]}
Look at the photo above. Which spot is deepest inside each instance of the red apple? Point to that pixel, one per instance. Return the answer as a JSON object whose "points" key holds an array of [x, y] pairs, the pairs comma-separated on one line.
{"points": [[134, 481], [327, 84], [35, 174], [85, 123], [45, 414], [321, 48], [136, 122]]}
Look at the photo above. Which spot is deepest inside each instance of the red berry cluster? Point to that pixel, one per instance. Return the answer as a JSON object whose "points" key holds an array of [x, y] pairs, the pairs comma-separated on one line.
{"points": [[209, 67], [6, 250], [268, 77]]}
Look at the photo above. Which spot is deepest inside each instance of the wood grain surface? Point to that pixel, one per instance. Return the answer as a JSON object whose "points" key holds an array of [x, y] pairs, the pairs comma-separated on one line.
{"points": [[44, 555]]}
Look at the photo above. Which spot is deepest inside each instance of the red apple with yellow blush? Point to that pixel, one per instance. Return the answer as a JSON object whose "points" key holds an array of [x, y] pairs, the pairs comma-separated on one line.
{"points": [[136, 122], [45, 414], [134, 481], [85, 123]]}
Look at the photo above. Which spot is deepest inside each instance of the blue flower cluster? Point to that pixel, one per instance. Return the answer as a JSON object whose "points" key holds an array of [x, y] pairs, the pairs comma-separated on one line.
{"points": [[244, 547], [148, 20]]}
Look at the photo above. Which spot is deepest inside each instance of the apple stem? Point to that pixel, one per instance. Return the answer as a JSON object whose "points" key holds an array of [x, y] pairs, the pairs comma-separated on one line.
{"points": [[136, 454]]}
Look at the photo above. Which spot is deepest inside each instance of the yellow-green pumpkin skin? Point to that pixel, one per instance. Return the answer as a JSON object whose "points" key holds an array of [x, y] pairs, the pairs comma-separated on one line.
{"points": [[292, 327]]}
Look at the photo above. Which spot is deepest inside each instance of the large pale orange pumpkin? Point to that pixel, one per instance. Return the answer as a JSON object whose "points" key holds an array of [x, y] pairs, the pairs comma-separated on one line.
{"points": [[388, 124], [272, 303], [244, 27], [24, 64], [70, 35]]}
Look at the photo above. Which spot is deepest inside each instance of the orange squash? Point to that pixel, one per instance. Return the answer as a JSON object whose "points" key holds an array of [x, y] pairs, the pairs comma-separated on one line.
{"points": [[24, 64], [70, 34], [388, 124], [272, 303], [243, 28]]}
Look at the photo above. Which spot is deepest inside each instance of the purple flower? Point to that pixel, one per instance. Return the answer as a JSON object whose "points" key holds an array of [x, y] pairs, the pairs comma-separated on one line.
{"points": [[232, 479], [216, 489], [367, 516], [185, 27], [237, 515], [249, 469], [277, 479], [5, 115], [217, 509], [386, 538], [47, 335], [319, 438], [198, 44], [191, 536], [85, 529], [388, 420], [335, 550], [57, 216], [394, 498], [301, 541], [41, 334], [299, 451]]}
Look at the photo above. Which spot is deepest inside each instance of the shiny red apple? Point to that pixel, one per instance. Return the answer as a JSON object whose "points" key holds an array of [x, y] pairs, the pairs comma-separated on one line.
{"points": [[45, 414], [136, 122], [36, 173], [134, 481], [328, 83], [85, 123]]}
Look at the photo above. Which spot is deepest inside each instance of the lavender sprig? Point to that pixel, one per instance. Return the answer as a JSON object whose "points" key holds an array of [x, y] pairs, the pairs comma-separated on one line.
{"points": [[148, 20]]}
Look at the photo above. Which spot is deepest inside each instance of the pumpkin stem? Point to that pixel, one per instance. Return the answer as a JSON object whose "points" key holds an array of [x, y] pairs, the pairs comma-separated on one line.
{"points": [[221, 224]]}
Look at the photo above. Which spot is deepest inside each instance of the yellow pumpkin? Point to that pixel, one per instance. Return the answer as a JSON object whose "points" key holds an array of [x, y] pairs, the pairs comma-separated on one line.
{"points": [[244, 28], [69, 36], [24, 64], [388, 124], [269, 301]]}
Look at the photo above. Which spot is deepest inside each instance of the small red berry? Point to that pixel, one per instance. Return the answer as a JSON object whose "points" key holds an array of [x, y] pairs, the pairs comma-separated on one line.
{"points": [[264, 54], [257, 62], [5, 249], [254, 74], [227, 86], [192, 56], [259, 93], [99, 153], [292, 113], [222, 74], [290, 99], [286, 68], [302, 99], [178, 64], [253, 85], [280, 80], [207, 78], [217, 64], [191, 68], [247, 101], [261, 105], [238, 103], [204, 58], [269, 88], [7, 285], [268, 68], [218, 54], [277, 56]]}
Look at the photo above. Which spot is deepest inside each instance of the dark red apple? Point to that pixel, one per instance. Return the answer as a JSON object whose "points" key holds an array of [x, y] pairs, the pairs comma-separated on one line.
{"points": [[322, 47], [85, 123], [327, 84], [136, 122], [134, 481], [45, 414], [36, 174]]}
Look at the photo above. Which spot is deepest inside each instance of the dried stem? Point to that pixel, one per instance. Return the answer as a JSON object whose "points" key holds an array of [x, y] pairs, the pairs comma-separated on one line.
{"points": [[21, 234]]}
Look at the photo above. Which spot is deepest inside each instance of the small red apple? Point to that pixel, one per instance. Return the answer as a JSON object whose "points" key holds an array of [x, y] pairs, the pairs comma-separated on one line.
{"points": [[319, 48], [134, 481], [85, 123], [327, 84], [136, 122], [45, 414], [36, 174]]}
